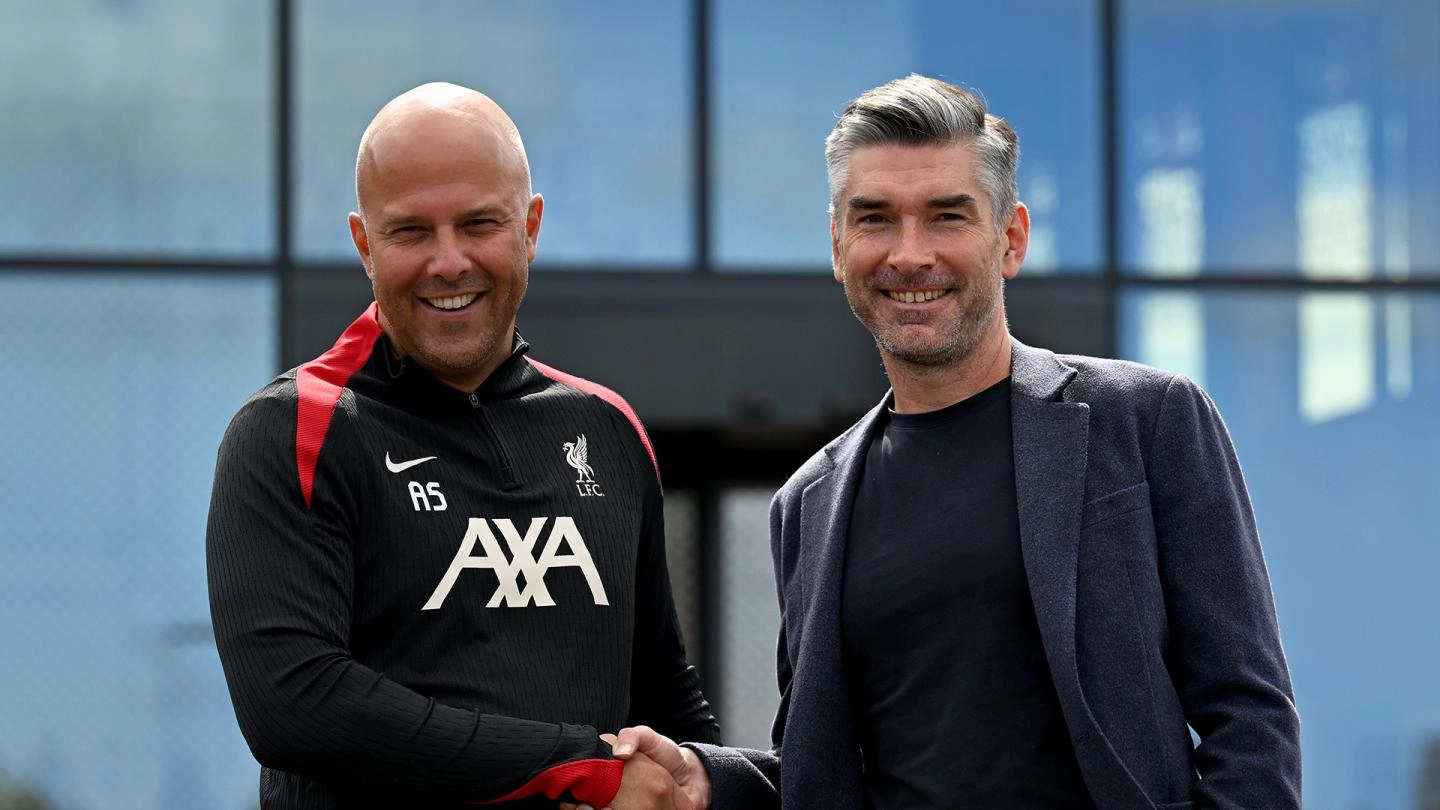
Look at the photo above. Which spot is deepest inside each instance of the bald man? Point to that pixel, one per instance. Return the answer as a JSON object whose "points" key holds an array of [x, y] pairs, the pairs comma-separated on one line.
{"points": [[437, 566]]}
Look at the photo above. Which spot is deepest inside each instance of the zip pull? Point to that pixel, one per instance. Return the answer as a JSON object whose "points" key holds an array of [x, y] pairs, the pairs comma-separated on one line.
{"points": [[507, 470]]}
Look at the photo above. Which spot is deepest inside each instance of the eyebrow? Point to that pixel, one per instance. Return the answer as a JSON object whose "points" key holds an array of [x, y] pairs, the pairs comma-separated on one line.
{"points": [[391, 223], [401, 220], [866, 204], [877, 204], [955, 201]]}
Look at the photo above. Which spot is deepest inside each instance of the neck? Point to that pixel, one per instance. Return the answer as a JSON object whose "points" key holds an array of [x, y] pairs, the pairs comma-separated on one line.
{"points": [[919, 389]]}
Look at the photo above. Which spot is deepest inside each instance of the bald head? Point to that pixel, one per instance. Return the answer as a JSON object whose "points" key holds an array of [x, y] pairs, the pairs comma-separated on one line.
{"points": [[435, 120]]}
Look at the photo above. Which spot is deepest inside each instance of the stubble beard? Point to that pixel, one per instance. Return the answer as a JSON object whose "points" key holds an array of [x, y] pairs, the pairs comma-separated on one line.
{"points": [[455, 355], [958, 339]]}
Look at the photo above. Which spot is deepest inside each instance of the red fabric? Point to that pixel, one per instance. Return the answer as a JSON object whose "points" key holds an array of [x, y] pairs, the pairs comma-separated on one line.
{"points": [[320, 383], [592, 781], [605, 394]]}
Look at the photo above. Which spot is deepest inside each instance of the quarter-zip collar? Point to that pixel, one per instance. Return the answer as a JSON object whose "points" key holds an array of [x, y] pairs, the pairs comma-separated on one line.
{"points": [[399, 380], [402, 381]]}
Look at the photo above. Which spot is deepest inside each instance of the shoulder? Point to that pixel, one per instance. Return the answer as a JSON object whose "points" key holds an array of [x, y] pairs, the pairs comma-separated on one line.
{"points": [[812, 470], [1104, 375], [267, 413], [614, 403], [1128, 400], [1108, 384]]}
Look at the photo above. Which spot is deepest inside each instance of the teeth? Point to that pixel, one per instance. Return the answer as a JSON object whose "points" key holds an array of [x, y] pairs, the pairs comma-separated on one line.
{"points": [[453, 302], [915, 296]]}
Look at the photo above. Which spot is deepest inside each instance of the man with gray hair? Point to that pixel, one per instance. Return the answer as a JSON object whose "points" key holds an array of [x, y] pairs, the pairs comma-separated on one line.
{"points": [[1023, 578]]}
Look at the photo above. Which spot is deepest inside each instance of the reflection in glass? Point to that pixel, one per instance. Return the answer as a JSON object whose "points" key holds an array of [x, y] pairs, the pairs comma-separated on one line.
{"points": [[782, 72], [1172, 222], [1344, 473], [749, 619], [1172, 333], [1337, 354], [139, 127], [601, 94], [111, 693], [1311, 127], [1336, 197], [1399, 331]]}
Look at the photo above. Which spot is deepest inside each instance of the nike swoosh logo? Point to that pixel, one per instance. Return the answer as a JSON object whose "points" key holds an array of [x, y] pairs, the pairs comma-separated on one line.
{"points": [[404, 465]]}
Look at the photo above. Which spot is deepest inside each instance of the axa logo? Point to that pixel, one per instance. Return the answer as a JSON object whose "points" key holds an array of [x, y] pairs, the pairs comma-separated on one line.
{"points": [[522, 564], [577, 455]]}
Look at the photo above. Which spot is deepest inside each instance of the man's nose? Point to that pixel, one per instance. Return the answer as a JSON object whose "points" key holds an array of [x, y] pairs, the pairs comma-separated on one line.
{"points": [[912, 249], [449, 260]]}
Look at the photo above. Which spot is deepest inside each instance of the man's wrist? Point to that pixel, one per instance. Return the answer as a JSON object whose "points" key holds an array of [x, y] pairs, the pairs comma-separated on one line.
{"points": [[697, 777]]}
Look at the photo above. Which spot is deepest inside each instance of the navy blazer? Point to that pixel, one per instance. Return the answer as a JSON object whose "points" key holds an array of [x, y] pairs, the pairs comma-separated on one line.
{"points": [[1148, 582]]}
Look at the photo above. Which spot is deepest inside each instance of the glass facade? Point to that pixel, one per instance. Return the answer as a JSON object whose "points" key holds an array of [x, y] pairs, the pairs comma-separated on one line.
{"points": [[782, 72], [143, 127], [600, 93], [749, 619], [1331, 399], [1285, 138], [121, 386]]}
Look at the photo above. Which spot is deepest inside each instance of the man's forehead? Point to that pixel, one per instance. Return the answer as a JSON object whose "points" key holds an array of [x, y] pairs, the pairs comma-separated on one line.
{"points": [[434, 148], [905, 156], [429, 131], [934, 169]]}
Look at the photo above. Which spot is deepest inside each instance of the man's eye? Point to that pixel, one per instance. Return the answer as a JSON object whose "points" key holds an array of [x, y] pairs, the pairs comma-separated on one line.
{"points": [[871, 219], [950, 216]]}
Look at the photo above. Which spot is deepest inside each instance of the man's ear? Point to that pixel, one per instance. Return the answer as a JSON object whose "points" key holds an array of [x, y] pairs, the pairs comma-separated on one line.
{"points": [[362, 243], [836, 266], [1017, 241], [533, 215]]}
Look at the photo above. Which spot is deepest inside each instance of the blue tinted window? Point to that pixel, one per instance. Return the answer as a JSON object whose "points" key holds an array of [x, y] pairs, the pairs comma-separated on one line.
{"points": [[1281, 137], [119, 389], [783, 72], [600, 92], [1332, 399], [138, 127]]}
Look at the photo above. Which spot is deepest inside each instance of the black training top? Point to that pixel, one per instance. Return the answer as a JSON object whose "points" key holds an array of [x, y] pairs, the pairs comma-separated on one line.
{"points": [[953, 698], [423, 597]]}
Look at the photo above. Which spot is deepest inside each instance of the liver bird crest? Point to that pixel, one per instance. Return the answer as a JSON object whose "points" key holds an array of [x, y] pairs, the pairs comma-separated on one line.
{"points": [[577, 454]]}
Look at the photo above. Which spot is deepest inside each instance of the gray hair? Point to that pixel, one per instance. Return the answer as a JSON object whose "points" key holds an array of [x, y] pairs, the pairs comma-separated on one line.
{"points": [[921, 111]]}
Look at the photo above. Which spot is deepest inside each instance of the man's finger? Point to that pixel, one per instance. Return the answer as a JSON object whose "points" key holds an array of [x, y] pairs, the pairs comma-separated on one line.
{"points": [[634, 738]]}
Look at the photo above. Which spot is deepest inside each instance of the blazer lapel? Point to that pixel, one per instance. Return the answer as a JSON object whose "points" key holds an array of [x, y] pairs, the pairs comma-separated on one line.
{"points": [[1050, 440], [820, 712]]}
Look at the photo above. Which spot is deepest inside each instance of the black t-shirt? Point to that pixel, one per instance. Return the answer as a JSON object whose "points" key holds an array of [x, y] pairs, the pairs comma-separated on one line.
{"points": [[955, 703]]}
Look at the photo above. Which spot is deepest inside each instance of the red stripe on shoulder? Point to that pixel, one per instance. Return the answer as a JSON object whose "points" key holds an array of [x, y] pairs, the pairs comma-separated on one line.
{"points": [[320, 383], [592, 781], [605, 394]]}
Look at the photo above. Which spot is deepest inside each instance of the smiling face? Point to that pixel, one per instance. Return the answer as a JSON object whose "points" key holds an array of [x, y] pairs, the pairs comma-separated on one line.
{"points": [[915, 243], [447, 231]]}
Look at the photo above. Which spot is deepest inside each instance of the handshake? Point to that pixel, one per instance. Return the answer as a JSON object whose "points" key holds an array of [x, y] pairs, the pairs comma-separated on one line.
{"points": [[658, 774]]}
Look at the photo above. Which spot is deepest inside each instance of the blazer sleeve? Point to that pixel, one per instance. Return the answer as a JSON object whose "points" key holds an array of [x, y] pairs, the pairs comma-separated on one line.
{"points": [[1225, 656]]}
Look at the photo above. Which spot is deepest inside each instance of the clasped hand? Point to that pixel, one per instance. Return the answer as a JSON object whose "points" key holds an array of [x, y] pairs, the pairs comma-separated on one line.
{"points": [[659, 774]]}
